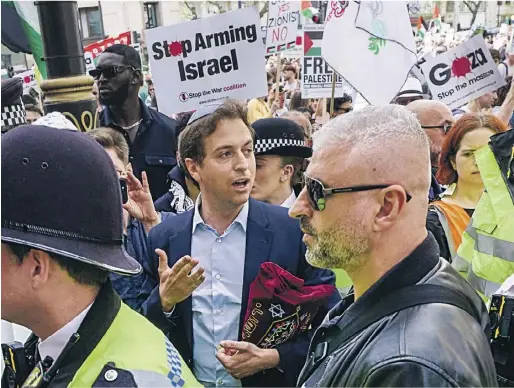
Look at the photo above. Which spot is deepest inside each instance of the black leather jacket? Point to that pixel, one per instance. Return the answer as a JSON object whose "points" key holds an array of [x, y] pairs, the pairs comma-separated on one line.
{"points": [[432, 345]]}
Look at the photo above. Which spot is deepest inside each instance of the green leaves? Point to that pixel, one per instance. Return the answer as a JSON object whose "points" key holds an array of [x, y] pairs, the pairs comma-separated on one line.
{"points": [[375, 44]]}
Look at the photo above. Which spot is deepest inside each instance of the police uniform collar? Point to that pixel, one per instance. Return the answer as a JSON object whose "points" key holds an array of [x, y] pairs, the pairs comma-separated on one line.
{"points": [[98, 320]]}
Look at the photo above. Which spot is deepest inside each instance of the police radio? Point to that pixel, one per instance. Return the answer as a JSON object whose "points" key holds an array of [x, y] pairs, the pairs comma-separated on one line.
{"points": [[501, 315], [22, 370]]}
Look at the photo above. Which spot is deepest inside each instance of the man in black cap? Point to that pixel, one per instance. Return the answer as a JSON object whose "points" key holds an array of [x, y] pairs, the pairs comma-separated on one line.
{"points": [[280, 151], [61, 236], [13, 112], [151, 135]]}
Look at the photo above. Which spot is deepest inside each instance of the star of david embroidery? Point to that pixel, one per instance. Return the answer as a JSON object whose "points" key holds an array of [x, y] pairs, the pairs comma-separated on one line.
{"points": [[276, 310]]}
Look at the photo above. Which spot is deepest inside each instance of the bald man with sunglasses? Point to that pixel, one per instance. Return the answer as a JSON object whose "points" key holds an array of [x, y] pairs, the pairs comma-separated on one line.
{"points": [[363, 210]]}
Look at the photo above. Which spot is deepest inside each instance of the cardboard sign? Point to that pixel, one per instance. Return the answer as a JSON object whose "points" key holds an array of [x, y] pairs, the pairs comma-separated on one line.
{"points": [[98, 47], [316, 73], [205, 61], [463, 73], [282, 26], [29, 80], [90, 62]]}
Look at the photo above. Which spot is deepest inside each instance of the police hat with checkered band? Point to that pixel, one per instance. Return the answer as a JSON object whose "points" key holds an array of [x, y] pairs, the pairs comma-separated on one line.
{"points": [[61, 194], [283, 137], [13, 111]]}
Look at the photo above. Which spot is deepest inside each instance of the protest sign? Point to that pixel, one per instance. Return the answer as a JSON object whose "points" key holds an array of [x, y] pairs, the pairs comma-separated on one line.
{"points": [[316, 73], [29, 80], [90, 63], [98, 47], [282, 26], [463, 73], [208, 60]]}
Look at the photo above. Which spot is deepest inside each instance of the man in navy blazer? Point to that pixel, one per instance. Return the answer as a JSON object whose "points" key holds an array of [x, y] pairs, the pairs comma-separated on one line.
{"points": [[204, 319]]}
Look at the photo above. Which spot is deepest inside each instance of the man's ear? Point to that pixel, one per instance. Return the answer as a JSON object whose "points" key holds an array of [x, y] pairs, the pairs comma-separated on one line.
{"points": [[392, 200], [39, 265], [193, 168], [137, 77]]}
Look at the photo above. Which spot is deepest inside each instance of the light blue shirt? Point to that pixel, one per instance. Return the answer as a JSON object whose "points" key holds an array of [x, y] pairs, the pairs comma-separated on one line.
{"points": [[217, 301]]}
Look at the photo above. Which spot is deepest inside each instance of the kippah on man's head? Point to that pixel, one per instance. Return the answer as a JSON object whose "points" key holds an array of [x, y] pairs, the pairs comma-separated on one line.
{"points": [[13, 111]]}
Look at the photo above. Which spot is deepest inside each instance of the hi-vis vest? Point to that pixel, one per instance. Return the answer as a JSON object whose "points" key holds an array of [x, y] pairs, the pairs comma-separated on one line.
{"points": [[454, 220], [150, 359], [488, 242]]}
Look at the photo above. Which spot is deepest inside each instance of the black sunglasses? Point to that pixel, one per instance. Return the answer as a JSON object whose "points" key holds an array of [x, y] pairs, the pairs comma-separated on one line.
{"points": [[445, 127], [318, 193], [202, 112], [109, 71]]}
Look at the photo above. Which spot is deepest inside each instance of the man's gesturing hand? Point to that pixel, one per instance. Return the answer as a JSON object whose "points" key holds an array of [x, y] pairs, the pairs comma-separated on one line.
{"points": [[243, 359], [176, 283]]}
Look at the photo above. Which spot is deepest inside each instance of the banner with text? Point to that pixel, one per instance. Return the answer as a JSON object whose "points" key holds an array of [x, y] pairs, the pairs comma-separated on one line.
{"points": [[463, 73], [205, 61], [282, 26], [98, 47], [29, 80], [316, 73]]}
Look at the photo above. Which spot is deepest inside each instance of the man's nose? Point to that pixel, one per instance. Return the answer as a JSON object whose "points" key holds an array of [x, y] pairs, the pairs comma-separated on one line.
{"points": [[301, 207]]}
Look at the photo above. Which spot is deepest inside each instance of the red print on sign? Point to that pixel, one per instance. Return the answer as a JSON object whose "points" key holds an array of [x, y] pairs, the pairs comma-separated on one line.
{"points": [[461, 67], [175, 48], [337, 9]]}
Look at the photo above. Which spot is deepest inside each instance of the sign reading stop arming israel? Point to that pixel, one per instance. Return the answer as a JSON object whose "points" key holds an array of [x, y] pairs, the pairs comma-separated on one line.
{"points": [[316, 73], [205, 61], [282, 26], [463, 73]]}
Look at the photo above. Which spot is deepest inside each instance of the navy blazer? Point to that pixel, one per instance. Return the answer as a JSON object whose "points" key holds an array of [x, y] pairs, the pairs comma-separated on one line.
{"points": [[271, 236]]}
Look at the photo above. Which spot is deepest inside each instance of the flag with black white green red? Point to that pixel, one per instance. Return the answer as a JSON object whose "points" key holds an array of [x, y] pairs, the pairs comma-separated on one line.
{"points": [[312, 43]]}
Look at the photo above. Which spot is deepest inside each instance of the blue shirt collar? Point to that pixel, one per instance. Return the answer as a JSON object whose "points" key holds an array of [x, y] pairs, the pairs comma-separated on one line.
{"points": [[241, 219]]}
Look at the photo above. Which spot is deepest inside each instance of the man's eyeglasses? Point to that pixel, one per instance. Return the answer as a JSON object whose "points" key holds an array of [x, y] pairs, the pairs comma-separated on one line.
{"points": [[202, 112], [109, 71], [445, 127], [317, 193]]}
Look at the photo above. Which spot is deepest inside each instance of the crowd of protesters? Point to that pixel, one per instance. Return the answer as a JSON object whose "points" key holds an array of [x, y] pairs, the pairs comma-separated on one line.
{"points": [[257, 236]]}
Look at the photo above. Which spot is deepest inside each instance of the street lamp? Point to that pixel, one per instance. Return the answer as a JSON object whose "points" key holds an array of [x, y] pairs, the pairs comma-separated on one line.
{"points": [[68, 89]]}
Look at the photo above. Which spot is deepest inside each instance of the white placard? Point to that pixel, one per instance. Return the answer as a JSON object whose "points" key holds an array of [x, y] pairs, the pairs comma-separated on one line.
{"points": [[29, 80], [205, 61], [463, 73], [282, 26], [316, 81], [90, 63]]}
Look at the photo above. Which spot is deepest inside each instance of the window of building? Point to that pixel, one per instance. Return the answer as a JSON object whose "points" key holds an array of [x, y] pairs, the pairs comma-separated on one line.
{"points": [[91, 23], [151, 15], [450, 6]]}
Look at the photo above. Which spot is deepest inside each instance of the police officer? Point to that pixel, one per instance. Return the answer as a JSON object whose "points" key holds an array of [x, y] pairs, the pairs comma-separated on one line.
{"points": [[280, 151], [61, 236]]}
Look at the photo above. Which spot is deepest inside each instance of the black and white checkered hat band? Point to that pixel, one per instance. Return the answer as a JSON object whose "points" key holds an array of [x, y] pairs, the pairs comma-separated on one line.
{"points": [[264, 145], [13, 115]]}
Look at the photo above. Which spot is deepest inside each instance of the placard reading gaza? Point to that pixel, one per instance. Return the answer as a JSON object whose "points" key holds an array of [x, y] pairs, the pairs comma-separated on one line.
{"points": [[205, 61], [463, 73]]}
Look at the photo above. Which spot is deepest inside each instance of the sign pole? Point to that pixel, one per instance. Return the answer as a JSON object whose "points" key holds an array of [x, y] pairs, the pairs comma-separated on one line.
{"points": [[279, 70], [334, 74]]}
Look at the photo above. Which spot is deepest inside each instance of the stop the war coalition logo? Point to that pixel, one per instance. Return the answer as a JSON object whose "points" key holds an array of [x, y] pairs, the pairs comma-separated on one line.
{"points": [[208, 60], [463, 73]]}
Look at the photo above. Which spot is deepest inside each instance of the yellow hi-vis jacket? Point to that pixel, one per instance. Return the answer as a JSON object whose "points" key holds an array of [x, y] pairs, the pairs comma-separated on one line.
{"points": [[488, 242]]}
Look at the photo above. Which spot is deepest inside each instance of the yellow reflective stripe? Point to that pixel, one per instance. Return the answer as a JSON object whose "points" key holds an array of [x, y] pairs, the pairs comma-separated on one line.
{"points": [[491, 246], [483, 286]]}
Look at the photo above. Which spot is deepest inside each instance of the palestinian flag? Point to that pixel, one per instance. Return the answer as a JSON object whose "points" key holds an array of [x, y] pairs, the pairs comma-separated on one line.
{"points": [[312, 43], [421, 28], [23, 17]]}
